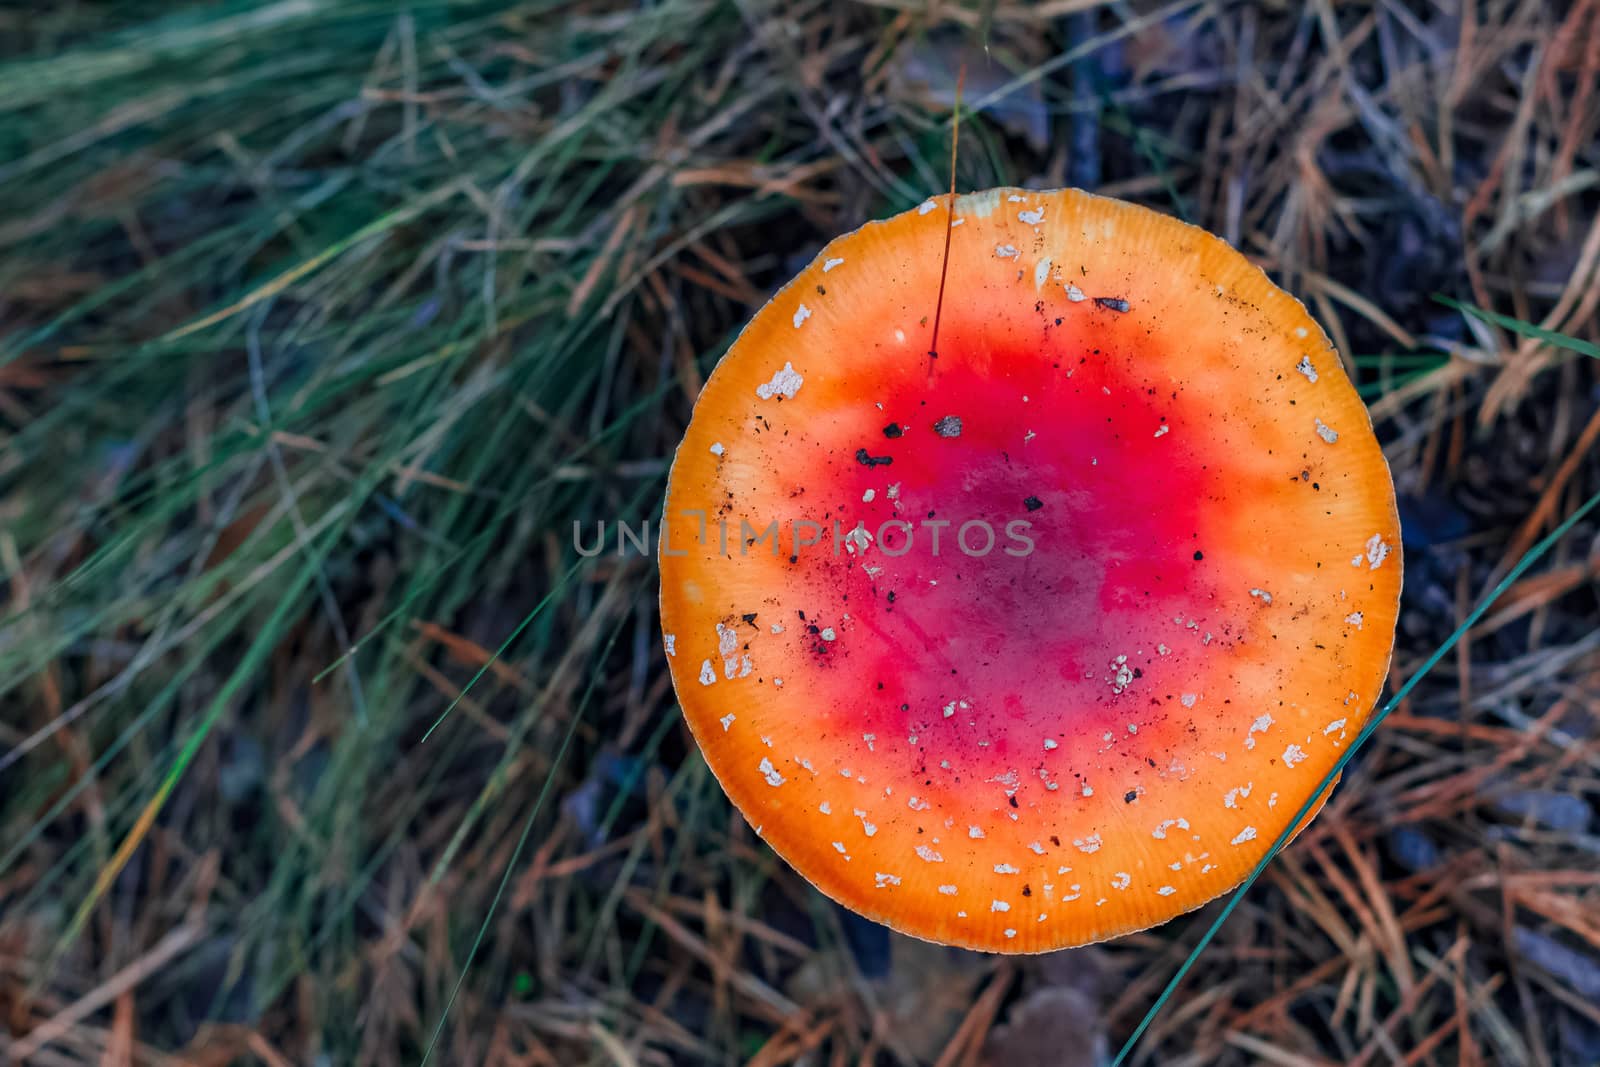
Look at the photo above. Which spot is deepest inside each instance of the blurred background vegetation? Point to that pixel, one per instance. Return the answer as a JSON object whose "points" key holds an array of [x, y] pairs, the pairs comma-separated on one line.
{"points": [[322, 320]]}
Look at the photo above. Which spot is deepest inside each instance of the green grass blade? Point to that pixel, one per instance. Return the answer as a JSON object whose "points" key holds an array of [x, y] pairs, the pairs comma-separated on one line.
{"points": [[1526, 329], [1532, 556]]}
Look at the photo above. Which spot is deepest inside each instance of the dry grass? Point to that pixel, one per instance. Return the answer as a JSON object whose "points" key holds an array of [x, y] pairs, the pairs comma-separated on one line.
{"points": [[319, 325]]}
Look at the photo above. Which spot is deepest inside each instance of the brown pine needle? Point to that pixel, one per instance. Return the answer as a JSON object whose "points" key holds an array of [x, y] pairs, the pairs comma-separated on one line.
{"points": [[949, 216]]}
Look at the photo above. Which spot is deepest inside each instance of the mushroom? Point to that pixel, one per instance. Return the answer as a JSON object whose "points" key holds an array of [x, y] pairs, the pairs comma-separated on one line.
{"points": [[1069, 672]]}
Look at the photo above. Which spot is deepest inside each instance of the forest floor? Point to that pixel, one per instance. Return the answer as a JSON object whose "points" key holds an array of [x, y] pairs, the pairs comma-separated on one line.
{"points": [[320, 324]]}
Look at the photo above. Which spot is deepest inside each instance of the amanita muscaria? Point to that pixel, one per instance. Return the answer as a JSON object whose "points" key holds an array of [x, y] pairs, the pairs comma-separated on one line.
{"points": [[1106, 718]]}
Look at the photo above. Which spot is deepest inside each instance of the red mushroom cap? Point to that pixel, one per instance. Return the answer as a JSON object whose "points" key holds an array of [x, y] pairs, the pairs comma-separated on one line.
{"points": [[1095, 596]]}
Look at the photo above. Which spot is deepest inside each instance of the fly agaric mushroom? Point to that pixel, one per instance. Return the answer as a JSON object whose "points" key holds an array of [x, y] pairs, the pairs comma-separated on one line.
{"points": [[1039, 632]]}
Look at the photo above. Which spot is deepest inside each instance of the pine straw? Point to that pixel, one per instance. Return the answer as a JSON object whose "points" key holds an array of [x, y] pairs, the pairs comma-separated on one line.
{"points": [[321, 324]]}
